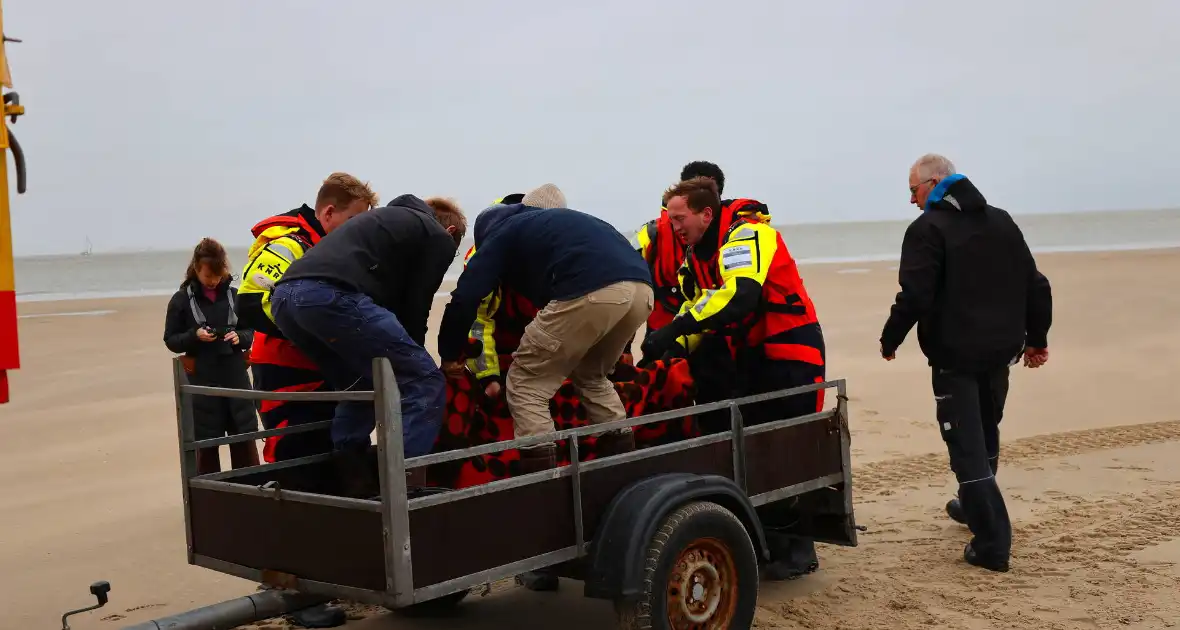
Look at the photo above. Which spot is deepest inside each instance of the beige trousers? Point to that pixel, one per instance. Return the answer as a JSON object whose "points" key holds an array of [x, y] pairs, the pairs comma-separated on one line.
{"points": [[581, 339]]}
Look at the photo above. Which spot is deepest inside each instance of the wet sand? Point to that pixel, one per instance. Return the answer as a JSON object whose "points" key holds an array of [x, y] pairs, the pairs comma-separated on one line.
{"points": [[89, 482]]}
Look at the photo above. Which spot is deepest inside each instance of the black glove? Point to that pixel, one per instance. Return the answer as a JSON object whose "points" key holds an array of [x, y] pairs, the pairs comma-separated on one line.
{"points": [[659, 342], [474, 348], [677, 351]]}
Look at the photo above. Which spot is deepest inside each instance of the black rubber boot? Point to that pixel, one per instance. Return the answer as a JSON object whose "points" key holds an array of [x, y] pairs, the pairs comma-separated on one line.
{"points": [[954, 509], [540, 580], [321, 616], [790, 557], [357, 478], [991, 564]]}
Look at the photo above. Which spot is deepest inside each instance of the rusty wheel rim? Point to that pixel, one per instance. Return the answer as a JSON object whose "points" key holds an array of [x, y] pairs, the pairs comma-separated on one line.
{"points": [[702, 587]]}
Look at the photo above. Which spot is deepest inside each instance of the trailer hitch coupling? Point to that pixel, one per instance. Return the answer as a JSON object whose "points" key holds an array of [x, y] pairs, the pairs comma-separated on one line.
{"points": [[99, 590]]}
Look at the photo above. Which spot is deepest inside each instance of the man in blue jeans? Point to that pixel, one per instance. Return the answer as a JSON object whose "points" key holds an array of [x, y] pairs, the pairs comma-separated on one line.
{"points": [[363, 292]]}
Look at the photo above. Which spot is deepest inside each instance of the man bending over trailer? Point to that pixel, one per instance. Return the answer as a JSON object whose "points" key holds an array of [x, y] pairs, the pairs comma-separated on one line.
{"points": [[741, 285], [365, 291], [596, 290], [474, 419], [477, 413]]}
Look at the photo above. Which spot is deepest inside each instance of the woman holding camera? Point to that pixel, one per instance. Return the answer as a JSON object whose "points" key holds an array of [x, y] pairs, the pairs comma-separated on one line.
{"points": [[201, 324]]}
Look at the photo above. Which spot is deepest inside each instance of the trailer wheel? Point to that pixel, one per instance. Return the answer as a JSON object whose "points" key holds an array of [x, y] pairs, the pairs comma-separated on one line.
{"points": [[701, 574]]}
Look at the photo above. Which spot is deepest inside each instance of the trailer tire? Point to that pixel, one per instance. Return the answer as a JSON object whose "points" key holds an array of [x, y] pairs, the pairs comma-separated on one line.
{"points": [[701, 571]]}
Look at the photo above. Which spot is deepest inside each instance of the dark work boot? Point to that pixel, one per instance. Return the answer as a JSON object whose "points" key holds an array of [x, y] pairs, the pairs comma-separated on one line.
{"points": [[991, 564], [321, 616], [538, 458], [358, 479], [790, 557], [615, 443], [954, 509], [539, 580]]}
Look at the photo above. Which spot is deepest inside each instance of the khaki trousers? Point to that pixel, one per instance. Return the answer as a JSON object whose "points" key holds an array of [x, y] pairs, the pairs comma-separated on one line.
{"points": [[581, 339]]}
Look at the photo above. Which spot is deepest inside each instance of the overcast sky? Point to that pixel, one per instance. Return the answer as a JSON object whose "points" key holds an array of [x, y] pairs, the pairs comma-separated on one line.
{"points": [[151, 124]]}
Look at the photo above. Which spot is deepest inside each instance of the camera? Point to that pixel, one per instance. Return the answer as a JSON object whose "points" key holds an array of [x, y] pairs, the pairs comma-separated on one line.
{"points": [[218, 333]]}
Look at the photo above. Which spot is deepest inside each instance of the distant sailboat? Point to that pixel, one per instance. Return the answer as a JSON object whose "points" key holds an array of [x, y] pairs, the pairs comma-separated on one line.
{"points": [[89, 247]]}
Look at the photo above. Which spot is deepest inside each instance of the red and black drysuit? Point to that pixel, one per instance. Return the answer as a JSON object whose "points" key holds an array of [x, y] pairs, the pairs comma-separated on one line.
{"points": [[275, 362], [749, 327]]}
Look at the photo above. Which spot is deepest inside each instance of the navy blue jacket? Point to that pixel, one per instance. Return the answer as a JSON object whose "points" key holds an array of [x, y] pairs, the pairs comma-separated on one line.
{"points": [[543, 254]]}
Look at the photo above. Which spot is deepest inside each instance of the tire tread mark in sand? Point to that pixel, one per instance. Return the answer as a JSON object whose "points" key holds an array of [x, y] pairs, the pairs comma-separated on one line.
{"points": [[1118, 526], [923, 584], [885, 476], [1093, 536]]}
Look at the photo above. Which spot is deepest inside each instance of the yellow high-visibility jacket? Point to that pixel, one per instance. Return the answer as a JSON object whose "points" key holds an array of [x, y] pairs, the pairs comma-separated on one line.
{"points": [[487, 363], [727, 288], [279, 241]]}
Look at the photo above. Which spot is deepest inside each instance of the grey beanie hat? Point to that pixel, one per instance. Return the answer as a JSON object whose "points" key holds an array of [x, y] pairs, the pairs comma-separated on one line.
{"points": [[547, 196]]}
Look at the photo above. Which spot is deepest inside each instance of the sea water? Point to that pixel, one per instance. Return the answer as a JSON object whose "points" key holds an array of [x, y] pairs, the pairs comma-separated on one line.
{"points": [[133, 274]]}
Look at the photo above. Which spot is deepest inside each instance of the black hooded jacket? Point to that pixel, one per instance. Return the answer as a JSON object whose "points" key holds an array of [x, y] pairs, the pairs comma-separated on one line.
{"points": [[396, 254], [970, 283]]}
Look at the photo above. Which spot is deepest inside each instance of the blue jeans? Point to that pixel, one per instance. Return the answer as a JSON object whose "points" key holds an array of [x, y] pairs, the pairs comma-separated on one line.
{"points": [[343, 331]]}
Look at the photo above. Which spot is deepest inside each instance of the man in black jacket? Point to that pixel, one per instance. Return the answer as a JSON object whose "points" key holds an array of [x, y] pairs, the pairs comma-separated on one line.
{"points": [[365, 291], [970, 283], [596, 291]]}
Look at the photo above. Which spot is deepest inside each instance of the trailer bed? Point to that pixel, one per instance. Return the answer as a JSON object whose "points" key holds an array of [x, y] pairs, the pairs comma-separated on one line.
{"points": [[287, 525]]}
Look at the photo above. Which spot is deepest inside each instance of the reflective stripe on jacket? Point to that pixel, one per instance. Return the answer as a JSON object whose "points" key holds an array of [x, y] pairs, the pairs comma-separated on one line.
{"points": [[783, 321], [487, 363]]}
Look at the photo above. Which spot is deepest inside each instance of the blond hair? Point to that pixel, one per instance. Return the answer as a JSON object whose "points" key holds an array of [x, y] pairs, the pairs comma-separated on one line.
{"points": [[449, 214], [341, 189]]}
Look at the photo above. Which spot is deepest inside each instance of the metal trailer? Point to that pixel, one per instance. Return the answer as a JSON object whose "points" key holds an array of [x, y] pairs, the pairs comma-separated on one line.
{"points": [[672, 534]]}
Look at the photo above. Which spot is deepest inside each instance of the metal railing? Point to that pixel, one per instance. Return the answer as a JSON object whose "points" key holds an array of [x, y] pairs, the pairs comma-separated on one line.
{"points": [[395, 507]]}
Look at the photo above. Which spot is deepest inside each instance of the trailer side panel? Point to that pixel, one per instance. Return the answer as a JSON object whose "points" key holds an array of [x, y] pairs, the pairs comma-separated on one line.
{"points": [[315, 542]]}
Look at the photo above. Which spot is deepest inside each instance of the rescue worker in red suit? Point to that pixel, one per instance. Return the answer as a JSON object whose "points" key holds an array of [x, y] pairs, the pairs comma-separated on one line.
{"points": [[664, 249], [742, 288], [276, 364]]}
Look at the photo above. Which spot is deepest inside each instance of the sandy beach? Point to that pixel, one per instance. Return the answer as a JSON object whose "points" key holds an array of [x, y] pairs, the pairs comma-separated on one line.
{"points": [[89, 481]]}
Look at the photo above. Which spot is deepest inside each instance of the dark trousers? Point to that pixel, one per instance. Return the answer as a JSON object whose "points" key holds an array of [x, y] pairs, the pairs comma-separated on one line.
{"points": [[215, 417], [343, 331], [969, 409], [789, 555], [719, 376]]}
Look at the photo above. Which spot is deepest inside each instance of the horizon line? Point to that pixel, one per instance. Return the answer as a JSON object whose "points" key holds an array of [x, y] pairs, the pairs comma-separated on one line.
{"points": [[469, 240]]}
